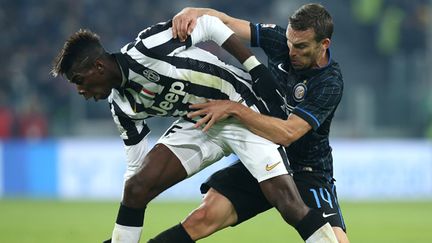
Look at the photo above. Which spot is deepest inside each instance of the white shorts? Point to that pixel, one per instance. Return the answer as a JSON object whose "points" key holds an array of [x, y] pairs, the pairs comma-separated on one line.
{"points": [[197, 150]]}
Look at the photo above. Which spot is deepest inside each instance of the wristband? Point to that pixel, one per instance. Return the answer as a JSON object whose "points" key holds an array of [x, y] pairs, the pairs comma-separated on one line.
{"points": [[251, 63]]}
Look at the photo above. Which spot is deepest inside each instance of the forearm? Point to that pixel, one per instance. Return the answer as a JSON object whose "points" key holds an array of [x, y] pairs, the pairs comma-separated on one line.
{"points": [[212, 28], [273, 129], [239, 26], [235, 47]]}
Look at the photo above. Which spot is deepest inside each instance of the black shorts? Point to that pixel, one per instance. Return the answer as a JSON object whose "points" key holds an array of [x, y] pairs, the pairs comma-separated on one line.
{"points": [[242, 189]]}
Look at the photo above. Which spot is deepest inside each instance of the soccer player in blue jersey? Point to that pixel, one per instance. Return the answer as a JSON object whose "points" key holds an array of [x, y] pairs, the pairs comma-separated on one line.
{"points": [[312, 85], [157, 75]]}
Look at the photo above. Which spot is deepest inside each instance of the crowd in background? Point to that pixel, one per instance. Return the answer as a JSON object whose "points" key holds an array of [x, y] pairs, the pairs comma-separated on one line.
{"points": [[383, 46]]}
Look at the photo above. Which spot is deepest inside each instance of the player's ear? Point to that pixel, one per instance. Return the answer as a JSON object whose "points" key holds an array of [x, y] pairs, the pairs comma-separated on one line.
{"points": [[326, 43], [99, 66]]}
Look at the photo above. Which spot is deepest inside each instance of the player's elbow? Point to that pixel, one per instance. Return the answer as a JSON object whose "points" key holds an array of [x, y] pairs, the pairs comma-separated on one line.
{"points": [[287, 137], [285, 141]]}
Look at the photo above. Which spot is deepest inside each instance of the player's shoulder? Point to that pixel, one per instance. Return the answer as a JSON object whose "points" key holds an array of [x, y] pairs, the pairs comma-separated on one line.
{"points": [[334, 72], [329, 78], [270, 29]]}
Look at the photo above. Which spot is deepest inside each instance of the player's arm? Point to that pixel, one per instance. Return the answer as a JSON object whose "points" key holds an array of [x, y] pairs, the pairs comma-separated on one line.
{"points": [[279, 131], [212, 28], [185, 21]]}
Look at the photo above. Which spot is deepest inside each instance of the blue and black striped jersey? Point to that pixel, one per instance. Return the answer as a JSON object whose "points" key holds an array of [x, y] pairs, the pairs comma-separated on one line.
{"points": [[163, 76], [313, 95]]}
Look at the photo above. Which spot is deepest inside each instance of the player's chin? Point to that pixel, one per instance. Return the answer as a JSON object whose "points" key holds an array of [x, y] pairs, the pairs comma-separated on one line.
{"points": [[100, 97], [299, 66]]}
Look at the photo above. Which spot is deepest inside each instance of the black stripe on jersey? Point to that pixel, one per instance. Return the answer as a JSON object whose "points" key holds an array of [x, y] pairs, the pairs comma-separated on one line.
{"points": [[164, 48], [154, 29], [170, 46], [134, 85], [130, 45], [134, 136], [138, 107], [123, 63]]}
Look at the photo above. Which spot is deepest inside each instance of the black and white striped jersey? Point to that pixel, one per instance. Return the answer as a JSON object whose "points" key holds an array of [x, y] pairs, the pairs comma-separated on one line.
{"points": [[163, 76]]}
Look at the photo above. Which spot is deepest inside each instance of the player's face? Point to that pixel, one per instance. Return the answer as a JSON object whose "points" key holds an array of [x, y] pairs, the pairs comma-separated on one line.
{"points": [[304, 50], [90, 82]]}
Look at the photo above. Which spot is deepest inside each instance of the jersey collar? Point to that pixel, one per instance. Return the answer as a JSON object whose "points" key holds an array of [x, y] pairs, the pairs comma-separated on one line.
{"points": [[123, 65]]}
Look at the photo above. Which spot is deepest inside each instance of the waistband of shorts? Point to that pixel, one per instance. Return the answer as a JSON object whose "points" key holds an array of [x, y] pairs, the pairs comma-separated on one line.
{"points": [[309, 169]]}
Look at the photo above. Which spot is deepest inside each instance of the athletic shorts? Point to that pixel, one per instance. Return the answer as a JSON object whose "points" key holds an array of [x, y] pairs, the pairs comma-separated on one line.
{"points": [[196, 149], [237, 184]]}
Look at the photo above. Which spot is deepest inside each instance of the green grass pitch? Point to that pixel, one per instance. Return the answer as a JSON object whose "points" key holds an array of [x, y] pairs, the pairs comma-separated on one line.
{"points": [[27, 221]]}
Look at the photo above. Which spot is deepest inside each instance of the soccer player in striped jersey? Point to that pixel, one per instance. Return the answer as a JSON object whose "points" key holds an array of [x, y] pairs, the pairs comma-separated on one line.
{"points": [[157, 75]]}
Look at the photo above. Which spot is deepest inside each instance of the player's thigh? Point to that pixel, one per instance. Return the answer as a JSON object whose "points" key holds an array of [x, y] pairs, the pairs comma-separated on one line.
{"points": [[263, 158], [319, 192], [161, 169], [192, 147], [237, 184]]}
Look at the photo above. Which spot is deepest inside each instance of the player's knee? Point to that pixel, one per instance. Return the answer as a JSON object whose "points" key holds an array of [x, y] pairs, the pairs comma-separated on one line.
{"points": [[137, 193], [282, 193], [203, 221], [202, 218], [340, 235]]}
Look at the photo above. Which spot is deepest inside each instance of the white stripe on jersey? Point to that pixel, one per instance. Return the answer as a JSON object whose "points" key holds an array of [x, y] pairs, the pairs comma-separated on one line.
{"points": [[158, 39]]}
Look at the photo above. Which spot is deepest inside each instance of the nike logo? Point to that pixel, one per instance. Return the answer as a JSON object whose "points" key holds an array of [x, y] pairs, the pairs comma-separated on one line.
{"points": [[271, 167], [328, 215], [281, 68]]}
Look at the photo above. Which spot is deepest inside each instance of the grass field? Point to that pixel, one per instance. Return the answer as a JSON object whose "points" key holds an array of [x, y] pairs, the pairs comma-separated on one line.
{"points": [[24, 221]]}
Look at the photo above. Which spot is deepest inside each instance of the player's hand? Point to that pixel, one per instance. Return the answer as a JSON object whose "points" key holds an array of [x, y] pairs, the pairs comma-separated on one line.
{"points": [[184, 22], [212, 112]]}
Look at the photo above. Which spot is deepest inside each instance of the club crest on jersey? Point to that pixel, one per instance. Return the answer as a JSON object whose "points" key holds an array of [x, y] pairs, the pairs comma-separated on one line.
{"points": [[151, 75], [299, 93]]}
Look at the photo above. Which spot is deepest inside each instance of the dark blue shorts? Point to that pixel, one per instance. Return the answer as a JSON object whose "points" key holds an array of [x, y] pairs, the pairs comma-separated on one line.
{"points": [[240, 187]]}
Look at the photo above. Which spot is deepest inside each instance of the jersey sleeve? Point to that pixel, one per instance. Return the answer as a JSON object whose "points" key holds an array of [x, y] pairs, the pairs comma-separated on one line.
{"points": [[320, 102], [157, 40], [210, 28], [131, 131], [271, 38]]}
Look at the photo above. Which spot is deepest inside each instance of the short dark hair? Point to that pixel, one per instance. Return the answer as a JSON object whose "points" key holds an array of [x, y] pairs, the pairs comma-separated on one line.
{"points": [[313, 16], [81, 46]]}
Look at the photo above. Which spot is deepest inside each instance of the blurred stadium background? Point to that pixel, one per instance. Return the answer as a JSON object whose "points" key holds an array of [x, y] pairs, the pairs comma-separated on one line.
{"points": [[61, 160]]}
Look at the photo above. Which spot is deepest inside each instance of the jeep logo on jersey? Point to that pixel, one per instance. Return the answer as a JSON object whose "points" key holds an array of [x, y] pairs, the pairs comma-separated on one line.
{"points": [[151, 75], [172, 97], [299, 92]]}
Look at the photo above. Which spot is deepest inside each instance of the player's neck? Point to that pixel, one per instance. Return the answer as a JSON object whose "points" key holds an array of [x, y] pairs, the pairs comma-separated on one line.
{"points": [[323, 59], [116, 72]]}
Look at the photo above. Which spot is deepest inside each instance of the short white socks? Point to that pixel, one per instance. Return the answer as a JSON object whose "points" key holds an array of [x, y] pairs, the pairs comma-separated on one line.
{"points": [[126, 234]]}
